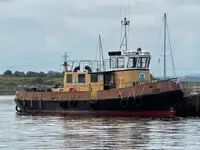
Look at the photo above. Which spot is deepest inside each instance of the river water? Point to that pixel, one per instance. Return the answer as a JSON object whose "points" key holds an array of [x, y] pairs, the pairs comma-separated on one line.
{"points": [[54, 132]]}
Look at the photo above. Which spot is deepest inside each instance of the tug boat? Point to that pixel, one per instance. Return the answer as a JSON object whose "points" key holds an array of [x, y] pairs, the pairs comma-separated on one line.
{"points": [[118, 86]]}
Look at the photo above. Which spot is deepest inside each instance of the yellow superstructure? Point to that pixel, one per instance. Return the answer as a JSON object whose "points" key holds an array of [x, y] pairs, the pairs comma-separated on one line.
{"points": [[93, 82], [124, 70], [83, 81]]}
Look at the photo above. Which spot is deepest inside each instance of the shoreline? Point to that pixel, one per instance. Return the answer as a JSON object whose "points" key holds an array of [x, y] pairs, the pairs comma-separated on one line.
{"points": [[7, 97], [9, 84]]}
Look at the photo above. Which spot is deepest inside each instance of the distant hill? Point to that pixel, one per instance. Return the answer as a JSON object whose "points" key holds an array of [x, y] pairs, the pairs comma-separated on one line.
{"points": [[188, 78]]}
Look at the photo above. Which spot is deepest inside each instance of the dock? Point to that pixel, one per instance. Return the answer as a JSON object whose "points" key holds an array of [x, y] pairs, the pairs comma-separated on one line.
{"points": [[190, 104]]}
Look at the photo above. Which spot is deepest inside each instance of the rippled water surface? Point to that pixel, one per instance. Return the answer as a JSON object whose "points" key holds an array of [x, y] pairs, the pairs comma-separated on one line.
{"points": [[47, 132]]}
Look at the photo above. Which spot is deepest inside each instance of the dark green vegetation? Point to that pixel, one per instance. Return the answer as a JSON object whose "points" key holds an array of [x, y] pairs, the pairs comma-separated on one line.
{"points": [[9, 81]]}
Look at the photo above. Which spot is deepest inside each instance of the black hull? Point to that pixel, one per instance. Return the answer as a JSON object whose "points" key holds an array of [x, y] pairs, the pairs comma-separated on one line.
{"points": [[160, 104]]}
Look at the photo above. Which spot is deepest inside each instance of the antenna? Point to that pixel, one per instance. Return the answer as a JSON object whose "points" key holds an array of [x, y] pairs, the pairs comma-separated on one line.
{"points": [[65, 56], [124, 42], [165, 26]]}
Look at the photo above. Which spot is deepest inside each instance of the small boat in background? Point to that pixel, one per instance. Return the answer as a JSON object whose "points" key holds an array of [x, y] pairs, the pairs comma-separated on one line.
{"points": [[118, 86]]}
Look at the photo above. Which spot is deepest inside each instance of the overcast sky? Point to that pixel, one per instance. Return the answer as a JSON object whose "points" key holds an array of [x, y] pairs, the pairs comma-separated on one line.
{"points": [[35, 33]]}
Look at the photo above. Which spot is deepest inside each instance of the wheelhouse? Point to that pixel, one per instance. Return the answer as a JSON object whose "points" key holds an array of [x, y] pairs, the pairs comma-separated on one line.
{"points": [[129, 60]]}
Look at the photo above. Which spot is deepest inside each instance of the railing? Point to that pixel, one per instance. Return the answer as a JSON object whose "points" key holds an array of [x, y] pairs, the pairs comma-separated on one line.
{"points": [[95, 65]]}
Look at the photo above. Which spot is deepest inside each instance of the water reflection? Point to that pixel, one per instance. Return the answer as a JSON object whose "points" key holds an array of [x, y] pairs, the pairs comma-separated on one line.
{"points": [[53, 132], [123, 133]]}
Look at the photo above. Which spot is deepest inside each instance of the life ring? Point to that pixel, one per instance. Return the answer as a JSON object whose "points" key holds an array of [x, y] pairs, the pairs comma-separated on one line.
{"points": [[72, 88], [17, 108]]}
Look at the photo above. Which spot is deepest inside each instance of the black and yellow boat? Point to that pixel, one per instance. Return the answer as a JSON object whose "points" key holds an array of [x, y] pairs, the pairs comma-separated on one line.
{"points": [[118, 86]]}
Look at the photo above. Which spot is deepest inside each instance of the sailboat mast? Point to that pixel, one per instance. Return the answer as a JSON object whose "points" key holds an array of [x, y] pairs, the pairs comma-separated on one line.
{"points": [[101, 52], [165, 26]]}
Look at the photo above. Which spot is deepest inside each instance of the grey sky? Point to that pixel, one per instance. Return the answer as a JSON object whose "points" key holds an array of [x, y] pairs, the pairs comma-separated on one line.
{"points": [[35, 33]]}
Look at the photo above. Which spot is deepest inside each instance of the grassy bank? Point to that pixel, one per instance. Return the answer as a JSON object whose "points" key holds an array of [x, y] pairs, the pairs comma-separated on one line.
{"points": [[8, 85]]}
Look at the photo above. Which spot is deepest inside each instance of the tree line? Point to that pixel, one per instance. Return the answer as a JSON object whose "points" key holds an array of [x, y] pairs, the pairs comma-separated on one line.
{"points": [[32, 74]]}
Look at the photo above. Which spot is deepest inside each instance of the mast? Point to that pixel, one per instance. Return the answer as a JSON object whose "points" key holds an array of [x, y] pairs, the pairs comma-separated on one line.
{"points": [[166, 37], [101, 52], [65, 56], [165, 26], [124, 42]]}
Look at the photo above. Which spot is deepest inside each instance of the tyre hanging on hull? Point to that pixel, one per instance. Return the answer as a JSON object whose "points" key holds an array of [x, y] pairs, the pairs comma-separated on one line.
{"points": [[124, 102], [18, 109], [92, 105], [72, 103]]}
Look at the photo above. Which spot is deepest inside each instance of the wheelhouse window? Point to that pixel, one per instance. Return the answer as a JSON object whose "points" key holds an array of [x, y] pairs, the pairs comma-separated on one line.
{"points": [[112, 62], [100, 77], [142, 62], [120, 62], [81, 78], [94, 78], [69, 78], [148, 62], [132, 62]]}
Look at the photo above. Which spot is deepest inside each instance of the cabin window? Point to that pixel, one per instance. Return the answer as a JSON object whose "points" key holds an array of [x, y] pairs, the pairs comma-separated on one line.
{"points": [[148, 62], [69, 78], [120, 62], [94, 78], [132, 62], [100, 77], [81, 78], [142, 62], [112, 62]]}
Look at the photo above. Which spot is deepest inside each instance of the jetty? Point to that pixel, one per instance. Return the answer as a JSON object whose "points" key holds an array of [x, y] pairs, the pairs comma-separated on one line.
{"points": [[190, 104]]}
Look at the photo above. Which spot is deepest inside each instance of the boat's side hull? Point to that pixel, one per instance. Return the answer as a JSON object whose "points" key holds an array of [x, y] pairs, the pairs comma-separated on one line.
{"points": [[157, 104]]}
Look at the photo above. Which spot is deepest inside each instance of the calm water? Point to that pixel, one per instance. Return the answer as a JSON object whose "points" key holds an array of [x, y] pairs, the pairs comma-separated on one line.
{"points": [[46, 132]]}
